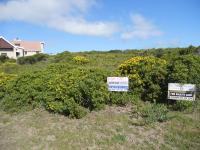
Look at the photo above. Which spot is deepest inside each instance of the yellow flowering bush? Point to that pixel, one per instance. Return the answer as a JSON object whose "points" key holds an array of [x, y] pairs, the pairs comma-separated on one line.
{"points": [[59, 88], [4, 78], [80, 59], [147, 76]]}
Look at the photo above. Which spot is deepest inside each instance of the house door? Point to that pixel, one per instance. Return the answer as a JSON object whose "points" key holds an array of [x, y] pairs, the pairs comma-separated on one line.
{"points": [[17, 54]]}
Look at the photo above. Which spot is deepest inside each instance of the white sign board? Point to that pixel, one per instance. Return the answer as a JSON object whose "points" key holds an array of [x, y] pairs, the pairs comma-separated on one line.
{"points": [[179, 91], [117, 83]]}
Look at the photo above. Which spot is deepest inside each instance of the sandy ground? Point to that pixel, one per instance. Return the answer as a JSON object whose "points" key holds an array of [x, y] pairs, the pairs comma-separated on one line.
{"points": [[111, 128]]}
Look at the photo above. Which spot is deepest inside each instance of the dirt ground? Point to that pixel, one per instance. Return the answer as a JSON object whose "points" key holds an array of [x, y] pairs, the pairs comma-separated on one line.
{"points": [[111, 128]]}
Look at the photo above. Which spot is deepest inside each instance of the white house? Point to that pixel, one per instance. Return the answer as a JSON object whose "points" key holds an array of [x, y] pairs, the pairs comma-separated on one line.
{"points": [[18, 48]]}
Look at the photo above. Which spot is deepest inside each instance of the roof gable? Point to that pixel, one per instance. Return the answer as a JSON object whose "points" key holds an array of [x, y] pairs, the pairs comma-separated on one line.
{"points": [[5, 44]]}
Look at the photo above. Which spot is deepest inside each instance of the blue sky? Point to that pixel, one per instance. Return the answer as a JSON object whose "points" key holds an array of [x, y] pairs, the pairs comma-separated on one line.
{"points": [[83, 25]]}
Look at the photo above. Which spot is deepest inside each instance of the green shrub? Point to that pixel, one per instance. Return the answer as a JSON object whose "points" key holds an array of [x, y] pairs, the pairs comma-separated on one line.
{"points": [[152, 113], [8, 67], [185, 69], [11, 60], [182, 105], [67, 107], [122, 98], [3, 58], [32, 59], [59, 88], [86, 87], [63, 57], [189, 50], [146, 76], [24, 92]]}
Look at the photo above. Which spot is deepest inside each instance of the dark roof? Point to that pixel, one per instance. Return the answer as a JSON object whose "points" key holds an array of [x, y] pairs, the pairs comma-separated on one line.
{"points": [[5, 44]]}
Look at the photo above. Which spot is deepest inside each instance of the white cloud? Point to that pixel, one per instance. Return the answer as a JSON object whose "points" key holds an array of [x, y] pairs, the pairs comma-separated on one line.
{"points": [[141, 28], [64, 15]]}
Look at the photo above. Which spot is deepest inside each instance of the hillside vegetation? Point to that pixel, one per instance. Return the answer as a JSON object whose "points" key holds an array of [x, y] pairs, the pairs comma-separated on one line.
{"points": [[74, 85]]}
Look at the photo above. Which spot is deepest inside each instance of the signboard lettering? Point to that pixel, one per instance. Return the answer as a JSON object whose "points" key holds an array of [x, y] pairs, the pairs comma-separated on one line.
{"points": [[179, 91], [117, 83]]}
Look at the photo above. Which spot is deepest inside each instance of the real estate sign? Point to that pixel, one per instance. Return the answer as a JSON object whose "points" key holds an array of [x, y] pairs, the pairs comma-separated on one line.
{"points": [[117, 84], [177, 91]]}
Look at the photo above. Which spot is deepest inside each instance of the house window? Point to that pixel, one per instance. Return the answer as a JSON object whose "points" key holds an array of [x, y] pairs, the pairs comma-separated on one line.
{"points": [[37, 52], [17, 44], [17, 54], [3, 54], [25, 52]]}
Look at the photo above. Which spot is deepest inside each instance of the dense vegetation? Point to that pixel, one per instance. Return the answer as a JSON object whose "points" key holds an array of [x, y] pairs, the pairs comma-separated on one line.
{"points": [[32, 59], [75, 83]]}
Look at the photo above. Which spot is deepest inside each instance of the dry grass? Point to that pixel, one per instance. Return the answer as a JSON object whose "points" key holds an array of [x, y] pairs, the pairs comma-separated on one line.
{"points": [[107, 129]]}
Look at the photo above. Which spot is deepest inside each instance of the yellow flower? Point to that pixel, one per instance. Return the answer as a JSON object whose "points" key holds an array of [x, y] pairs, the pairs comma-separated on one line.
{"points": [[80, 59]]}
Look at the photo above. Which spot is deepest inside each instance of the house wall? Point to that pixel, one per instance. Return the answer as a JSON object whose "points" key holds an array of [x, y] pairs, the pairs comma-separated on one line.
{"points": [[29, 53], [20, 52], [10, 53]]}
